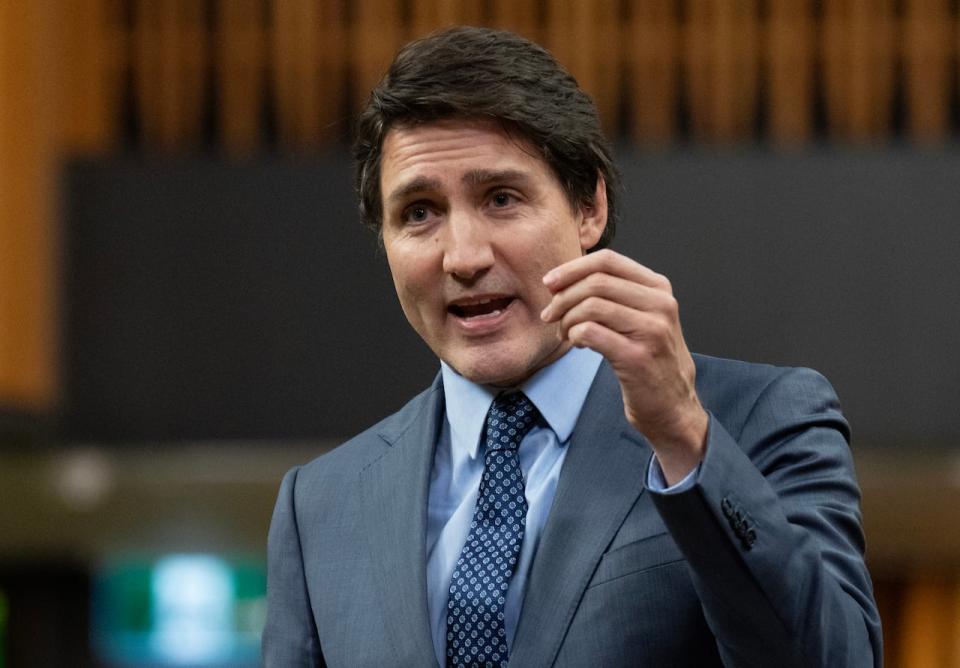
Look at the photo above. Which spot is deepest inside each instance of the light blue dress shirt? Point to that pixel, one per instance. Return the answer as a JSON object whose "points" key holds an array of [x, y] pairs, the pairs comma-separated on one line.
{"points": [[558, 391]]}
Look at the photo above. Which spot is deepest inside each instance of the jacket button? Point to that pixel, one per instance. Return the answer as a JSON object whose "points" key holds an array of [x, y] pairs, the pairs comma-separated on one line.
{"points": [[726, 507]]}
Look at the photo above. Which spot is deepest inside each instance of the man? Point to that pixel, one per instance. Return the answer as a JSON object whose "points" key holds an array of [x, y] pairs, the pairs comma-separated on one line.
{"points": [[575, 488]]}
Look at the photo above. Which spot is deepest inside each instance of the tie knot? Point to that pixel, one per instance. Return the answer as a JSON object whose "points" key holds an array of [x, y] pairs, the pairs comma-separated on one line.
{"points": [[510, 418]]}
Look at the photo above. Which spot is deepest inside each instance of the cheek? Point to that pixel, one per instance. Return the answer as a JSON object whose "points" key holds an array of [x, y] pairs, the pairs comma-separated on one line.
{"points": [[547, 256], [412, 283]]}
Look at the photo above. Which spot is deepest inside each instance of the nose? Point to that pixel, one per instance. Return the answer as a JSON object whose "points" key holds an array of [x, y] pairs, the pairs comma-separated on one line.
{"points": [[468, 252]]}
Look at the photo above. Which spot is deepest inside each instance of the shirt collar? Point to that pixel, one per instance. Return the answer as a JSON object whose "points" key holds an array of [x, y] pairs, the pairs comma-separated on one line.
{"points": [[558, 391]]}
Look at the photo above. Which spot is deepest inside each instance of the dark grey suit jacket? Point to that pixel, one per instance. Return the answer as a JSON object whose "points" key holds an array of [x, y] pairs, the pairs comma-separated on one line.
{"points": [[759, 564]]}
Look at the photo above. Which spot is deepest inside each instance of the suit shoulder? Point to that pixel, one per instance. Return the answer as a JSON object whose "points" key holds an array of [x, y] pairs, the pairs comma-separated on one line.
{"points": [[359, 451], [732, 389]]}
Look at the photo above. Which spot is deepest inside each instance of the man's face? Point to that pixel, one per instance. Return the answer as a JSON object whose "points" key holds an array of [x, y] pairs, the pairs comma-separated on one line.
{"points": [[473, 219]]}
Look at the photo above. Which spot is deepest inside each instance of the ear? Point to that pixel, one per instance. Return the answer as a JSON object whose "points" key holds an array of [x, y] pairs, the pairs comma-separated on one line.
{"points": [[594, 220]]}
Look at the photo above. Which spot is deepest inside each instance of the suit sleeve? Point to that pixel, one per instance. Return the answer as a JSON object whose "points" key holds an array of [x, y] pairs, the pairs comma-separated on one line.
{"points": [[772, 534], [290, 635]]}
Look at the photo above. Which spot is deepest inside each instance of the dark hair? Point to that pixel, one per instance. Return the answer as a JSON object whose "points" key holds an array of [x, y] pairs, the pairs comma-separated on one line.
{"points": [[467, 72]]}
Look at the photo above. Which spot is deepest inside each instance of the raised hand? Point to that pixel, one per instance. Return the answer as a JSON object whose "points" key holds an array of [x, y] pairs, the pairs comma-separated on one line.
{"points": [[627, 312]]}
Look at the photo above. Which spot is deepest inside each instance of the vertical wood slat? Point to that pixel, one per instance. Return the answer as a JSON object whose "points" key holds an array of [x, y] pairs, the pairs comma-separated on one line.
{"points": [[430, 15], [789, 55], [721, 55], [608, 64], [169, 63], [288, 54], [308, 70], [859, 67], [858, 48], [28, 244], [926, 68], [296, 53], [930, 619], [333, 70], [888, 595], [652, 54], [585, 37], [519, 16], [376, 35], [696, 58], [239, 55], [92, 61], [953, 628]]}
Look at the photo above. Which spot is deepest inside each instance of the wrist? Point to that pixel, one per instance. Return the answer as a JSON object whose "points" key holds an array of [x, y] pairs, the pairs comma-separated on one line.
{"points": [[680, 448]]}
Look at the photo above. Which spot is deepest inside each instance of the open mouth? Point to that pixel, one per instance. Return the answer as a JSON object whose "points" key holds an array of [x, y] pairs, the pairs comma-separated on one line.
{"points": [[480, 308]]}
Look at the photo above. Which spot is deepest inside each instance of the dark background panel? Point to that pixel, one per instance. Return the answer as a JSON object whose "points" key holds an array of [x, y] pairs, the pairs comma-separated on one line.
{"points": [[844, 261], [207, 300]]}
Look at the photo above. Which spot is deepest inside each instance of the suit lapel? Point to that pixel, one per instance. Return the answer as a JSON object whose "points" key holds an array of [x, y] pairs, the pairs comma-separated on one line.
{"points": [[395, 489], [602, 477]]}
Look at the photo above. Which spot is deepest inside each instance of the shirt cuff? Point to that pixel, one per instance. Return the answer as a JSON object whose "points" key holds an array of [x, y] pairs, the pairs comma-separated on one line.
{"points": [[656, 482]]}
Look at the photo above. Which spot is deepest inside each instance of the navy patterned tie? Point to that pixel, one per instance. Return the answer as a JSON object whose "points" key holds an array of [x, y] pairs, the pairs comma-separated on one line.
{"points": [[478, 589]]}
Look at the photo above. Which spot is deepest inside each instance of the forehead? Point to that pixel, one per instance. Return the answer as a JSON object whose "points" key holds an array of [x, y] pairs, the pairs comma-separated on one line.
{"points": [[449, 148]]}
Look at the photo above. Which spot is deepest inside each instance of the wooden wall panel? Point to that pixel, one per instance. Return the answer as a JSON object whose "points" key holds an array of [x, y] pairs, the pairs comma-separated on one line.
{"points": [[93, 60], [376, 35], [788, 48], [239, 59], [926, 68], [859, 61], [927, 635], [584, 35], [651, 52], [430, 15], [721, 57], [169, 60], [709, 63], [28, 135], [308, 43], [520, 16]]}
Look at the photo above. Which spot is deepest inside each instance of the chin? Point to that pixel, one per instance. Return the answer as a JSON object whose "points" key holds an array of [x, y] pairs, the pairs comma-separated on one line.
{"points": [[501, 368], [488, 369]]}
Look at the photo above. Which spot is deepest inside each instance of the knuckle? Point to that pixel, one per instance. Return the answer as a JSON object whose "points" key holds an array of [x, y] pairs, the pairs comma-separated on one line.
{"points": [[664, 328], [671, 306], [606, 256], [639, 355], [594, 305], [603, 282], [581, 332], [659, 329]]}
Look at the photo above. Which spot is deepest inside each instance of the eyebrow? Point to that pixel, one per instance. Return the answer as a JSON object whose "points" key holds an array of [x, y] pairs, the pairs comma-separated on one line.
{"points": [[475, 177], [417, 185], [482, 177]]}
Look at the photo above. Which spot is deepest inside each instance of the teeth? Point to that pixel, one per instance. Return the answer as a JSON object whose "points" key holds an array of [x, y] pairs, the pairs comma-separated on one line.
{"points": [[492, 314], [478, 302]]}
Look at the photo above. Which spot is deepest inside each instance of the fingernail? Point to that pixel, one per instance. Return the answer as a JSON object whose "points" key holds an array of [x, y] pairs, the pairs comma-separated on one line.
{"points": [[545, 314], [550, 277]]}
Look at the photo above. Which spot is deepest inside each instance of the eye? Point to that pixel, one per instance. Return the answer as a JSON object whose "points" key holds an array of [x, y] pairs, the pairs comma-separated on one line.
{"points": [[501, 199], [416, 213]]}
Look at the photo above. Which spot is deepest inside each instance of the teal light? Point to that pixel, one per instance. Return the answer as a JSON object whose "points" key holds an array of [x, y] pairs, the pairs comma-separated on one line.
{"points": [[179, 610]]}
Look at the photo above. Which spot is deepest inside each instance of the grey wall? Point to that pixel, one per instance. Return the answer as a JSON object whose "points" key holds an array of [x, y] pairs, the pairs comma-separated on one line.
{"points": [[842, 261], [207, 300]]}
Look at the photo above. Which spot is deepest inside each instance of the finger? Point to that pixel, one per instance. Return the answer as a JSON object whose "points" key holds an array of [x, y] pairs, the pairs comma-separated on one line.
{"points": [[612, 288], [631, 323], [599, 338], [604, 261]]}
